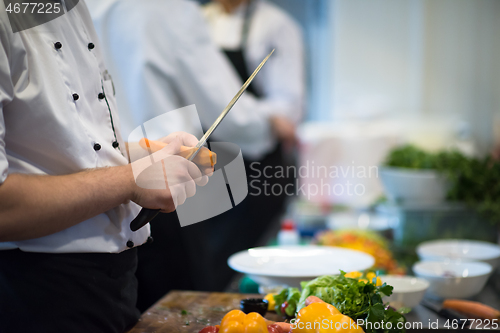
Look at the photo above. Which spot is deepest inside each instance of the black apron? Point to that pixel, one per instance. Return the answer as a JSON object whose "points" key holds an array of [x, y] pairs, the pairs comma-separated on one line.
{"points": [[266, 207], [237, 56], [67, 292]]}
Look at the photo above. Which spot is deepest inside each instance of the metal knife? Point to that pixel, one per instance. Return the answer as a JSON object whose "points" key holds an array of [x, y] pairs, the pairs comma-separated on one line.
{"points": [[146, 215]]}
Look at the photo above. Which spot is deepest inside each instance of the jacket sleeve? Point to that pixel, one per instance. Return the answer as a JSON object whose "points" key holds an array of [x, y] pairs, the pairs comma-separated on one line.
{"points": [[6, 90]]}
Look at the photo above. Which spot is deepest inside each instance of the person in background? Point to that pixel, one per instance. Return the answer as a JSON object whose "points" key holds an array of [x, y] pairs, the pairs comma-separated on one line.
{"points": [[162, 58], [246, 31], [67, 190]]}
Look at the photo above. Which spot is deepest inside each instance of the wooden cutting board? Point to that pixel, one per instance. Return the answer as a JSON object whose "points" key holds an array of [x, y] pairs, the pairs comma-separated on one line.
{"points": [[189, 311]]}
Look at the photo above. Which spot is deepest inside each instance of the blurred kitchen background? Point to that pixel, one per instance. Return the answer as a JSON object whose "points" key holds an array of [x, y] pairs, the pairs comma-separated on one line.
{"points": [[382, 74], [387, 72], [429, 66]]}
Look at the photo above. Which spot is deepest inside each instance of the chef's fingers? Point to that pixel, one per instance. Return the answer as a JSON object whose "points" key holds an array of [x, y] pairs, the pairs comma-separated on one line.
{"points": [[178, 194], [190, 188], [196, 174], [207, 170], [186, 139], [173, 148], [202, 181]]}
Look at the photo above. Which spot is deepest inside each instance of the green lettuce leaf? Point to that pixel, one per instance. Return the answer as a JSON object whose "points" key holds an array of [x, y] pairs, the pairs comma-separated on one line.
{"points": [[289, 295]]}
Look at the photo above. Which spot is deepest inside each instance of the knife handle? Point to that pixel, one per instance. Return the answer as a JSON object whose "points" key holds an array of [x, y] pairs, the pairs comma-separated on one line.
{"points": [[204, 157], [145, 216]]}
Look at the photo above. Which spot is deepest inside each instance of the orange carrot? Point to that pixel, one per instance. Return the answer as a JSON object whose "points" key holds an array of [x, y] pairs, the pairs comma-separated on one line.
{"points": [[472, 309], [204, 157], [286, 327], [313, 299]]}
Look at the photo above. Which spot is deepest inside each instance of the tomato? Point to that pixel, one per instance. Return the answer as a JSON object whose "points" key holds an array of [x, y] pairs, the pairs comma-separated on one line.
{"points": [[232, 327], [339, 323], [283, 308], [234, 315], [274, 329], [309, 318], [210, 329]]}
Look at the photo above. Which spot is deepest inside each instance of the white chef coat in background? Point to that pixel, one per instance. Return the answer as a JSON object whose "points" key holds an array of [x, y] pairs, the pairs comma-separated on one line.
{"points": [[282, 81], [53, 122], [162, 58]]}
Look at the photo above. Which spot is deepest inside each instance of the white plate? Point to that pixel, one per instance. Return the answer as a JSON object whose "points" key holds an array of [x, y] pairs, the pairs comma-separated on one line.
{"points": [[289, 265], [456, 249]]}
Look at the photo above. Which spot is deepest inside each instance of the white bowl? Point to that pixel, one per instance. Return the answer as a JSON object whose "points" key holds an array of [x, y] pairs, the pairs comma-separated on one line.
{"points": [[460, 249], [453, 279], [408, 290], [290, 265], [417, 187]]}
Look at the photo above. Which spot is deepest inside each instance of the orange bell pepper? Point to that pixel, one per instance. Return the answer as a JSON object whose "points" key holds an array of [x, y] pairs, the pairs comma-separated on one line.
{"points": [[232, 327], [236, 321], [339, 323], [309, 319]]}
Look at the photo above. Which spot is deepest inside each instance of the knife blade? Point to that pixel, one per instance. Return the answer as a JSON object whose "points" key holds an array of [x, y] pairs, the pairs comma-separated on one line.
{"points": [[146, 214]]}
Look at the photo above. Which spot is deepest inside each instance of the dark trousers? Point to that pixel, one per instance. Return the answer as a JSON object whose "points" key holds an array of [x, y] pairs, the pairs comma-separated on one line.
{"points": [[69, 292]]}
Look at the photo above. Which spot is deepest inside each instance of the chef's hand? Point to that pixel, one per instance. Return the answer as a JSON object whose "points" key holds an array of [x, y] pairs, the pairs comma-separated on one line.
{"points": [[165, 180], [187, 140]]}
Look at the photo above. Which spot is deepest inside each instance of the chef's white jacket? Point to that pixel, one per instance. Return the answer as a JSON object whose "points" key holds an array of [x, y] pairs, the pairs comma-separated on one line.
{"points": [[162, 58], [58, 116], [282, 81]]}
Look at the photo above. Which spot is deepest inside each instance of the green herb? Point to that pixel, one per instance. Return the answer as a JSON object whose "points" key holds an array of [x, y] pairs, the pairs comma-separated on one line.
{"points": [[289, 295], [474, 181], [353, 298], [184, 312]]}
